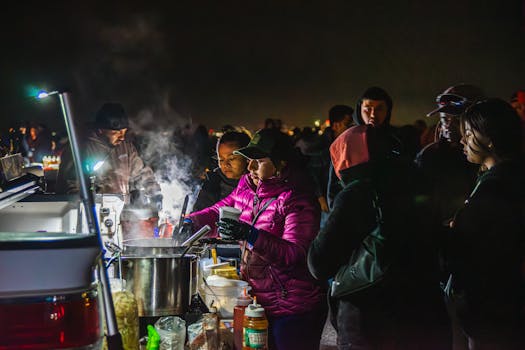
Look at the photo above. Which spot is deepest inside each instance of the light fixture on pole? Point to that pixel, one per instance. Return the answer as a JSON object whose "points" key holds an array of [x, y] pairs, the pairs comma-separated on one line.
{"points": [[113, 337]]}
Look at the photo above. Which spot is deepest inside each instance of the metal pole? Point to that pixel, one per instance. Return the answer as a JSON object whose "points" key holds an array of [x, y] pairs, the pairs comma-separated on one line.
{"points": [[113, 336]]}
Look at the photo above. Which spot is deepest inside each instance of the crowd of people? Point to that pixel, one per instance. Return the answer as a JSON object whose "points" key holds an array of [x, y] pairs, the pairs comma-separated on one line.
{"points": [[451, 213], [447, 202]]}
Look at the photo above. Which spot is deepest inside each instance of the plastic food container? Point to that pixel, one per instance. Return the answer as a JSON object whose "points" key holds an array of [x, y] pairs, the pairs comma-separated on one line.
{"points": [[223, 293]]}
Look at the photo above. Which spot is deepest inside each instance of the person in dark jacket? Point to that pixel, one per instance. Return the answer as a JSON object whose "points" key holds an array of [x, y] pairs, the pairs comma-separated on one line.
{"points": [[374, 108], [487, 242], [113, 161], [221, 181], [406, 310], [446, 174]]}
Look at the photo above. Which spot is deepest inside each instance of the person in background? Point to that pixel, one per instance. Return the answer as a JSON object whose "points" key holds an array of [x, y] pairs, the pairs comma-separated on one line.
{"points": [[446, 174], [340, 117], [486, 287], [221, 181], [517, 101], [200, 150], [113, 161], [406, 310], [374, 108], [279, 219], [38, 142]]}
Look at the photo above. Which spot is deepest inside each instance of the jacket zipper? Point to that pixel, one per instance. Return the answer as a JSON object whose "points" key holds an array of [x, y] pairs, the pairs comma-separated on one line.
{"points": [[284, 292]]}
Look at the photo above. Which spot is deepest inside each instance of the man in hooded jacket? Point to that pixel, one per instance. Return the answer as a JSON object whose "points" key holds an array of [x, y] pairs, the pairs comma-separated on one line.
{"points": [[375, 109]]}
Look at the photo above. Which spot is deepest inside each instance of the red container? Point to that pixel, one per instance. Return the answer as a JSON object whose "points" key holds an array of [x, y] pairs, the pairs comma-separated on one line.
{"points": [[238, 319], [50, 322], [138, 223]]}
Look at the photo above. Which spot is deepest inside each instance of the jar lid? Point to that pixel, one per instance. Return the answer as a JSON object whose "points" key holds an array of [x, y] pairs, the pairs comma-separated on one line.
{"points": [[254, 310]]}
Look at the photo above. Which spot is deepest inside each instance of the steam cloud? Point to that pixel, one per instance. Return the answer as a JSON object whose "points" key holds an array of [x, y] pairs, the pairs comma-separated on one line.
{"points": [[124, 63]]}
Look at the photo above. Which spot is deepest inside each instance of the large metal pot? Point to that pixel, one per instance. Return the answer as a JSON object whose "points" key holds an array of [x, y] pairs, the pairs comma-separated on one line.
{"points": [[162, 279]]}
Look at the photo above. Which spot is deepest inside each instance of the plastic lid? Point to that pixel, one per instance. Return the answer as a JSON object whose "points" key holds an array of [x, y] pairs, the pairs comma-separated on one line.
{"points": [[254, 310]]}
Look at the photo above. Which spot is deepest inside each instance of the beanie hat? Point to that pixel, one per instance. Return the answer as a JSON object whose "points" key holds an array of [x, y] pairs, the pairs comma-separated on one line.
{"points": [[111, 116]]}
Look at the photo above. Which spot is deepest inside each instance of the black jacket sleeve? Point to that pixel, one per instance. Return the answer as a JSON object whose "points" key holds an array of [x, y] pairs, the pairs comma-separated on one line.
{"points": [[350, 220]]}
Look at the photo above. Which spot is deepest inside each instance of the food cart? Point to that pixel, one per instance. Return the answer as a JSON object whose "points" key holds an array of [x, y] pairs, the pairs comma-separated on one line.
{"points": [[54, 270]]}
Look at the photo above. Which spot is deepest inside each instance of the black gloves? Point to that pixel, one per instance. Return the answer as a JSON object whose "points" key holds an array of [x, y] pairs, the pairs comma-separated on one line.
{"points": [[237, 231], [186, 229]]}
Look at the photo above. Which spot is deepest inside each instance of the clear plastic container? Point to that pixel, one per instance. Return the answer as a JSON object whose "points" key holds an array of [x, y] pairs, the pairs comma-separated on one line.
{"points": [[172, 331], [223, 293], [126, 314]]}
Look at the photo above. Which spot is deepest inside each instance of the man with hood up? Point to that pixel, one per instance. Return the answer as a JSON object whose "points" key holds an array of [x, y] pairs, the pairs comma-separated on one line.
{"points": [[374, 108], [114, 161]]}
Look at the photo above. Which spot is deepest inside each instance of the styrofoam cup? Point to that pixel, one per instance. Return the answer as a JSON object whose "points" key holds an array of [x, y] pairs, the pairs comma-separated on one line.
{"points": [[229, 213]]}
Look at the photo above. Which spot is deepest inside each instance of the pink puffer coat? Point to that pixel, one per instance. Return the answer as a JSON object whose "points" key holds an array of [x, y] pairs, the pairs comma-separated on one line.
{"points": [[276, 265]]}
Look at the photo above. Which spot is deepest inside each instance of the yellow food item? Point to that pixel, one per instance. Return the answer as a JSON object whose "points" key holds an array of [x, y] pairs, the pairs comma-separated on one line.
{"points": [[127, 315]]}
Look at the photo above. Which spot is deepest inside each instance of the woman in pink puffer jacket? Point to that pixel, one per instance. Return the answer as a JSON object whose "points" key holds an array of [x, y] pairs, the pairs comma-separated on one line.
{"points": [[279, 220]]}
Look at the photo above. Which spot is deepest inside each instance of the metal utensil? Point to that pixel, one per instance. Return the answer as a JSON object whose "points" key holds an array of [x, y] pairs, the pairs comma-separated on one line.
{"points": [[182, 215], [194, 237]]}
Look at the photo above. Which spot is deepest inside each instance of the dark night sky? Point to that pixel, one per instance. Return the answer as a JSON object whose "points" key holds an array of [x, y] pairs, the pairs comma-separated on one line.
{"points": [[223, 62]]}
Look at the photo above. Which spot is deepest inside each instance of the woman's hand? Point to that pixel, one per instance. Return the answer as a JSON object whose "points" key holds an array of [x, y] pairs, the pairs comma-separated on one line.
{"points": [[230, 229]]}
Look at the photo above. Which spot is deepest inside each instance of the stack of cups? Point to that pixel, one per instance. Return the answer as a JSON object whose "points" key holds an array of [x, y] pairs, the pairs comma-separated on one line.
{"points": [[229, 213]]}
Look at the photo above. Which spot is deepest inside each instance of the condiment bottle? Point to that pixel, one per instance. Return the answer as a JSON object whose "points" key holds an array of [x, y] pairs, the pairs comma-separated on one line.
{"points": [[238, 318], [255, 328]]}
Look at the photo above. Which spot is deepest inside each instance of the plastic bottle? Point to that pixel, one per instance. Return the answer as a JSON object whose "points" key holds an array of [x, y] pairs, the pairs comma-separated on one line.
{"points": [[238, 319], [153, 339], [255, 328]]}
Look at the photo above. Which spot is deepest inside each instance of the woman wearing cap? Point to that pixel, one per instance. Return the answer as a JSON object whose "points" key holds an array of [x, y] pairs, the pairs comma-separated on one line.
{"points": [[486, 254], [279, 219]]}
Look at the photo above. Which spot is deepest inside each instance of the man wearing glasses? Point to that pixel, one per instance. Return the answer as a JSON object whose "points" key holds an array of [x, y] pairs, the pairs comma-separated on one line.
{"points": [[447, 176]]}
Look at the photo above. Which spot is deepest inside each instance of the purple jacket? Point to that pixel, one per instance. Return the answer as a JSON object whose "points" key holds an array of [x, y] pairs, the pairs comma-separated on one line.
{"points": [[276, 266]]}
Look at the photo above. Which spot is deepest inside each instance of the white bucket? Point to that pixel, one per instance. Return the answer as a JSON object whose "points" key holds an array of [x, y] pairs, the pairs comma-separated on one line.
{"points": [[223, 293]]}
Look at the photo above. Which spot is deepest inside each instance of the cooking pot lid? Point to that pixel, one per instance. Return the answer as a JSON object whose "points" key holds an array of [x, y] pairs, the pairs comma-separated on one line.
{"points": [[152, 247]]}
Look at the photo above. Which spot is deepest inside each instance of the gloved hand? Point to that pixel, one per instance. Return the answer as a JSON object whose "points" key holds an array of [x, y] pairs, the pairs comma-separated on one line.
{"points": [[186, 229], [233, 230]]}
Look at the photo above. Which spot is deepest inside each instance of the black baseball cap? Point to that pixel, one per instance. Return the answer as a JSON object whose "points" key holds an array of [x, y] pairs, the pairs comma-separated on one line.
{"points": [[267, 143], [456, 99]]}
